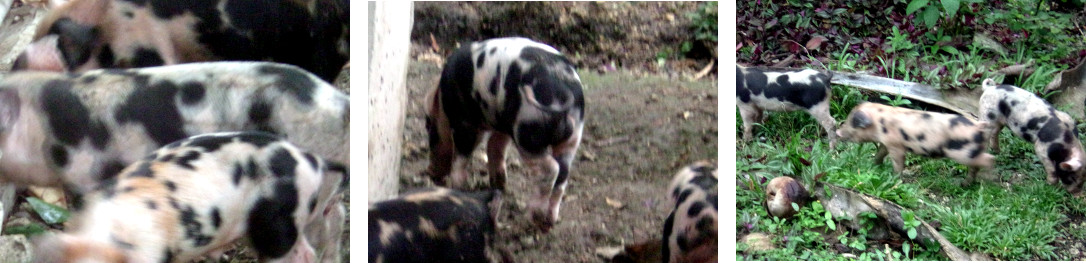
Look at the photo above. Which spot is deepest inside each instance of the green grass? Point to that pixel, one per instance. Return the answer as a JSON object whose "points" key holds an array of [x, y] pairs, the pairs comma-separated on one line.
{"points": [[1018, 221]]}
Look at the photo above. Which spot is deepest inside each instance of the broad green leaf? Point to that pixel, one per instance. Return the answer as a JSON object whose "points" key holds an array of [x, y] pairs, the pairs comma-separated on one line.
{"points": [[930, 16], [795, 206], [912, 233], [50, 213], [951, 6], [915, 5], [831, 225]]}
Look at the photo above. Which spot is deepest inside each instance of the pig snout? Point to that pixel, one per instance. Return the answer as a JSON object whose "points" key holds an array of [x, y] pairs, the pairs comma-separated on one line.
{"points": [[40, 56]]}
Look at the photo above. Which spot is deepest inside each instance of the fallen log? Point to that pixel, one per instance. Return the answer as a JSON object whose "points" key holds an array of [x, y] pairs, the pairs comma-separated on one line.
{"points": [[963, 102], [844, 202], [1072, 84]]}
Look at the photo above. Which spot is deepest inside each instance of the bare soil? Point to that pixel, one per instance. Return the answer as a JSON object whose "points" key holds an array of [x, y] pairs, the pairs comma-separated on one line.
{"points": [[640, 130]]}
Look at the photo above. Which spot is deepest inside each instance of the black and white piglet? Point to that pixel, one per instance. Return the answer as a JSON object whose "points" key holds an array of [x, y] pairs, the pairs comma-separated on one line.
{"points": [[195, 197], [77, 130], [1029, 117], [82, 35], [433, 225], [512, 89], [778, 89], [690, 231]]}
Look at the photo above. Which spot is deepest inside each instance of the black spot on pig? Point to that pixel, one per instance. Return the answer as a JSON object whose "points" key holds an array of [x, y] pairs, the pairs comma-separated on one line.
{"points": [[312, 160], [216, 219], [1004, 108], [142, 170], [960, 120], [69, 119], [1034, 123], [155, 109], [695, 209], [921, 137], [186, 159], [683, 195], [111, 169], [106, 59], [259, 139], [1028, 137], [238, 172], [170, 185], [151, 204], [498, 72], [884, 131], [59, 155], [193, 227], [192, 92], [978, 137], [991, 115], [282, 164], [210, 143], [292, 80], [145, 57], [1007, 88], [904, 135], [1050, 131], [271, 228], [260, 114], [955, 144], [479, 62]]}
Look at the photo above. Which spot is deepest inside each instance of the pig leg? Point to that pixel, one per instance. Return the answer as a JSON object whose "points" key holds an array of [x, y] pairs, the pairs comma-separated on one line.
{"points": [[880, 154], [751, 115], [897, 155], [441, 142], [821, 112], [465, 140], [557, 166], [495, 153], [994, 127], [301, 252]]}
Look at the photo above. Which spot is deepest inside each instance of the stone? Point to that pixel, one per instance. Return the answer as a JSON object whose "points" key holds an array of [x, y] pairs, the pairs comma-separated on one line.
{"points": [[15, 248]]}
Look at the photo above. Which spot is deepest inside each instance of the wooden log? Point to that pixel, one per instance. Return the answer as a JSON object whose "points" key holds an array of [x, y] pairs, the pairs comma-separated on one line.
{"points": [[963, 102]]}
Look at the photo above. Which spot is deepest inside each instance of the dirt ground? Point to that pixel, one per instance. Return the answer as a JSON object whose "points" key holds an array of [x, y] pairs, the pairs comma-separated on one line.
{"points": [[640, 130]]}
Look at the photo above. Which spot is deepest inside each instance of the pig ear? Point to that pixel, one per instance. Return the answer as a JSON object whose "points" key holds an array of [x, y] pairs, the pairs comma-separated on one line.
{"points": [[1072, 165], [9, 108], [988, 82], [860, 120]]}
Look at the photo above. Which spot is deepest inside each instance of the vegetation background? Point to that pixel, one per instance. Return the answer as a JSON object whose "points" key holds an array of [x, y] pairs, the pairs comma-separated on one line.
{"points": [[951, 44]]}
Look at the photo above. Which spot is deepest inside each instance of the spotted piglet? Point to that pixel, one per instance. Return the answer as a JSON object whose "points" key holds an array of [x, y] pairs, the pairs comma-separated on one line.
{"points": [[900, 130], [1031, 118], [690, 231], [433, 225], [82, 35], [195, 197], [777, 89], [512, 89]]}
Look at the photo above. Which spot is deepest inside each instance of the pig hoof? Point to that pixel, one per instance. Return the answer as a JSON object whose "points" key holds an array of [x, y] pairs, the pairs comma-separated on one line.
{"points": [[543, 221]]}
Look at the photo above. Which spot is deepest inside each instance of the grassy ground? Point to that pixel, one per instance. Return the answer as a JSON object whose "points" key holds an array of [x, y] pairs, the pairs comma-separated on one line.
{"points": [[1015, 216]]}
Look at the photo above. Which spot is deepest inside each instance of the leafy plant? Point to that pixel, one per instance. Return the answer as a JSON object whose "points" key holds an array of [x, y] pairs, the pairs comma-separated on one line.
{"points": [[911, 223]]}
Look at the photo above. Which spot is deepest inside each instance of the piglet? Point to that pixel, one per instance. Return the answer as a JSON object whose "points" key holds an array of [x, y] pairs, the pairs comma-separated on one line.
{"points": [[433, 225], [900, 130], [1029, 117], [778, 89]]}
